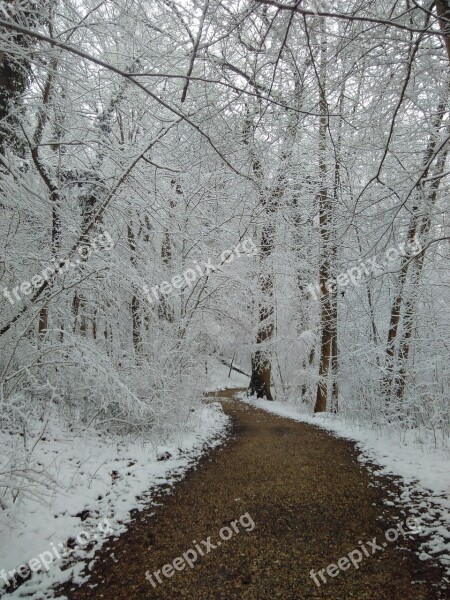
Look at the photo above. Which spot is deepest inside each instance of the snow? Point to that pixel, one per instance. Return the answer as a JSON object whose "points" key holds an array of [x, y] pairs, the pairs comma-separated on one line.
{"points": [[220, 378], [424, 473], [105, 480]]}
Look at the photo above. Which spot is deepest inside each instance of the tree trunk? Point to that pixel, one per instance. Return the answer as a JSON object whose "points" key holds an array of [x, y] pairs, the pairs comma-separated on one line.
{"points": [[270, 199], [261, 366], [418, 227], [327, 302], [135, 303], [416, 270], [443, 11], [14, 74]]}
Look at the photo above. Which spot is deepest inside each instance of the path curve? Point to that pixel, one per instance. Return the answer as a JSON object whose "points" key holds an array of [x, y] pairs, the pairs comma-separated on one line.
{"points": [[311, 502]]}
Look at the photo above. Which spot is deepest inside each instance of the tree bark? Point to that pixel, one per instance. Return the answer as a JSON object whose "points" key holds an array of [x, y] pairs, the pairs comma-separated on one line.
{"points": [[418, 226], [327, 301]]}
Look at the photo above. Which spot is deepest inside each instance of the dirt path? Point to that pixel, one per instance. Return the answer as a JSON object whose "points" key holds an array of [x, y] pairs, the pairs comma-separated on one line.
{"points": [[311, 504]]}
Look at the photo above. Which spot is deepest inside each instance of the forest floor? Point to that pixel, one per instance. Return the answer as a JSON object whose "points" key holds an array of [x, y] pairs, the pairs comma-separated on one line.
{"points": [[311, 502]]}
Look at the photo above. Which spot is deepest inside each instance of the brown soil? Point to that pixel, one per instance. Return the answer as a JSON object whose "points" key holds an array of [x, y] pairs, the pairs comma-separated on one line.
{"points": [[311, 502]]}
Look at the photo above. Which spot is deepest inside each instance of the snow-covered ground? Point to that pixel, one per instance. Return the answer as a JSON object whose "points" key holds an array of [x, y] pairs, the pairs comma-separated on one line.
{"points": [[220, 377], [424, 473], [95, 486]]}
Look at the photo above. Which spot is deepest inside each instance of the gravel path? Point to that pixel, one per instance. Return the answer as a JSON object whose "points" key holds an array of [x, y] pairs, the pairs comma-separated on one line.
{"points": [[311, 504]]}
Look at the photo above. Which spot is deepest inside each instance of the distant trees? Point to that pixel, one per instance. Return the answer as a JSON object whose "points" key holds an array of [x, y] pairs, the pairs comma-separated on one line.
{"points": [[182, 129]]}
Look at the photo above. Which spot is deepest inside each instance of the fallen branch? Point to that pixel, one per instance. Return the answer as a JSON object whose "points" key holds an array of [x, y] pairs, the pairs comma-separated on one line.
{"points": [[227, 364]]}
